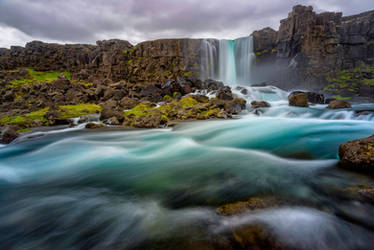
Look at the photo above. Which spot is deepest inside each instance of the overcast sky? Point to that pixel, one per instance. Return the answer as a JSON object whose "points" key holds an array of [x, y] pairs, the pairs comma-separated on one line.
{"points": [[85, 21]]}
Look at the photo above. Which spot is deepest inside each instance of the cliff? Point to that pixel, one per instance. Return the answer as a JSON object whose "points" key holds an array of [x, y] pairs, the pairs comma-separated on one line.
{"points": [[325, 52], [150, 61]]}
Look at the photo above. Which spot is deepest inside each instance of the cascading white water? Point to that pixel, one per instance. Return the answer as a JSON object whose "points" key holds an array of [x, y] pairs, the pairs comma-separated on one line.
{"points": [[229, 61]]}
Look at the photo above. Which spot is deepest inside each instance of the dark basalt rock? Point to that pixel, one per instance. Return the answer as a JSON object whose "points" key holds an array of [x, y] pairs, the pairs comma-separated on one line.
{"points": [[358, 154], [7, 135], [260, 104], [312, 97], [225, 93]]}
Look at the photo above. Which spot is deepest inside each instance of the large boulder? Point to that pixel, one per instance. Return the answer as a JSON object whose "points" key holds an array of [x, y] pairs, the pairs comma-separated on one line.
{"points": [[358, 154], [225, 94], [298, 100], [312, 97], [7, 135], [339, 104], [234, 106], [109, 110]]}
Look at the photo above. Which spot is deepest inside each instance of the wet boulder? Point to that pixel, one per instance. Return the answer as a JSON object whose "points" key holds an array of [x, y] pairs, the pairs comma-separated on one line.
{"points": [[260, 104], [109, 110], [234, 106], [298, 100], [251, 204], [55, 118], [339, 104], [92, 125], [225, 94], [7, 135], [358, 154]]}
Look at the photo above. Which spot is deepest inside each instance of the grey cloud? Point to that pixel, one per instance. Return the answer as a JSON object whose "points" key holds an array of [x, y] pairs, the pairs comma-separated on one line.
{"points": [[136, 20]]}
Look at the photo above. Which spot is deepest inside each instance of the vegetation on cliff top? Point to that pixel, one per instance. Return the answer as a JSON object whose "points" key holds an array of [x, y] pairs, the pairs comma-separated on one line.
{"points": [[38, 77]]}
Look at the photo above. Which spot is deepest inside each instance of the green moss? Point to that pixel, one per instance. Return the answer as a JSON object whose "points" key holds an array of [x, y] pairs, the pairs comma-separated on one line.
{"points": [[175, 94], [338, 97], [129, 62], [39, 77], [138, 110], [187, 74], [71, 111], [168, 98], [370, 42], [13, 119], [273, 51], [23, 130], [25, 119], [195, 64], [85, 84], [369, 82], [37, 115], [188, 102]]}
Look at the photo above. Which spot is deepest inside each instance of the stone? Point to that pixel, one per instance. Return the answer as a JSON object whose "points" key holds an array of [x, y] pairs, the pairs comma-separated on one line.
{"points": [[358, 154], [55, 118], [225, 93], [92, 125], [249, 205], [298, 100], [235, 106], [339, 104], [112, 121], [260, 104], [128, 103], [7, 135]]}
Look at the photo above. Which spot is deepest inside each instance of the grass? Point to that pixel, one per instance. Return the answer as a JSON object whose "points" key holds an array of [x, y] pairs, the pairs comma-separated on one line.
{"points": [[39, 77]]}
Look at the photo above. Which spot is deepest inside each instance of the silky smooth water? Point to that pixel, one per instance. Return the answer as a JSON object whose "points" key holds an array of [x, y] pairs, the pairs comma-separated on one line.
{"points": [[159, 188], [229, 61]]}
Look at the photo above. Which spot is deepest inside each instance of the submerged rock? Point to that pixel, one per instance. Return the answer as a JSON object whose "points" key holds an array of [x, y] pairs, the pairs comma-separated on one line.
{"points": [[339, 104], [260, 104], [92, 125], [7, 135], [358, 154], [253, 203], [359, 192], [298, 100]]}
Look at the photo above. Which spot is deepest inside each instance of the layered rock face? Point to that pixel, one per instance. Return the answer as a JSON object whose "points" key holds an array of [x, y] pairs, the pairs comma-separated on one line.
{"points": [[317, 52], [151, 61]]}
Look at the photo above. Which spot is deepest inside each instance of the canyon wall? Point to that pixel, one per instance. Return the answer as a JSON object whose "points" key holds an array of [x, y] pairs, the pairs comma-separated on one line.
{"points": [[322, 52], [325, 52], [150, 61]]}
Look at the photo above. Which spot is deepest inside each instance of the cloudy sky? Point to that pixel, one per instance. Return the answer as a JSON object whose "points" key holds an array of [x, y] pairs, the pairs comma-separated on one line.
{"points": [[85, 21]]}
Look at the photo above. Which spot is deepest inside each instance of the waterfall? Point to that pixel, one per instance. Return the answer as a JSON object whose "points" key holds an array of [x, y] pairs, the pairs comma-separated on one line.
{"points": [[229, 61]]}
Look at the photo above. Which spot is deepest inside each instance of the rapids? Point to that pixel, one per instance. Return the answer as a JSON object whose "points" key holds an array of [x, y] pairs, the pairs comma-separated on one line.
{"points": [[72, 188], [110, 189]]}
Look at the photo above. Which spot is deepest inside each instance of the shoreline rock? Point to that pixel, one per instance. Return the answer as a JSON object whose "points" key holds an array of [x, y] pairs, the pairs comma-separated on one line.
{"points": [[358, 155]]}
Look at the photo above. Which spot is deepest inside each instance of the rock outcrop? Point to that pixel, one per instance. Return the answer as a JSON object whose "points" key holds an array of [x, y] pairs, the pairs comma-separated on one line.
{"points": [[317, 52], [298, 100], [358, 154], [338, 104]]}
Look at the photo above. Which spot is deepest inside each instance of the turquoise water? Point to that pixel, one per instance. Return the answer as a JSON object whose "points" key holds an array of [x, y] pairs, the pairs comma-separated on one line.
{"points": [[121, 189]]}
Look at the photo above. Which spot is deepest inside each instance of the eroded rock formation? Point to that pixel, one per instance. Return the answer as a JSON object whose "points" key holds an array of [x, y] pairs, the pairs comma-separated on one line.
{"points": [[318, 52]]}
